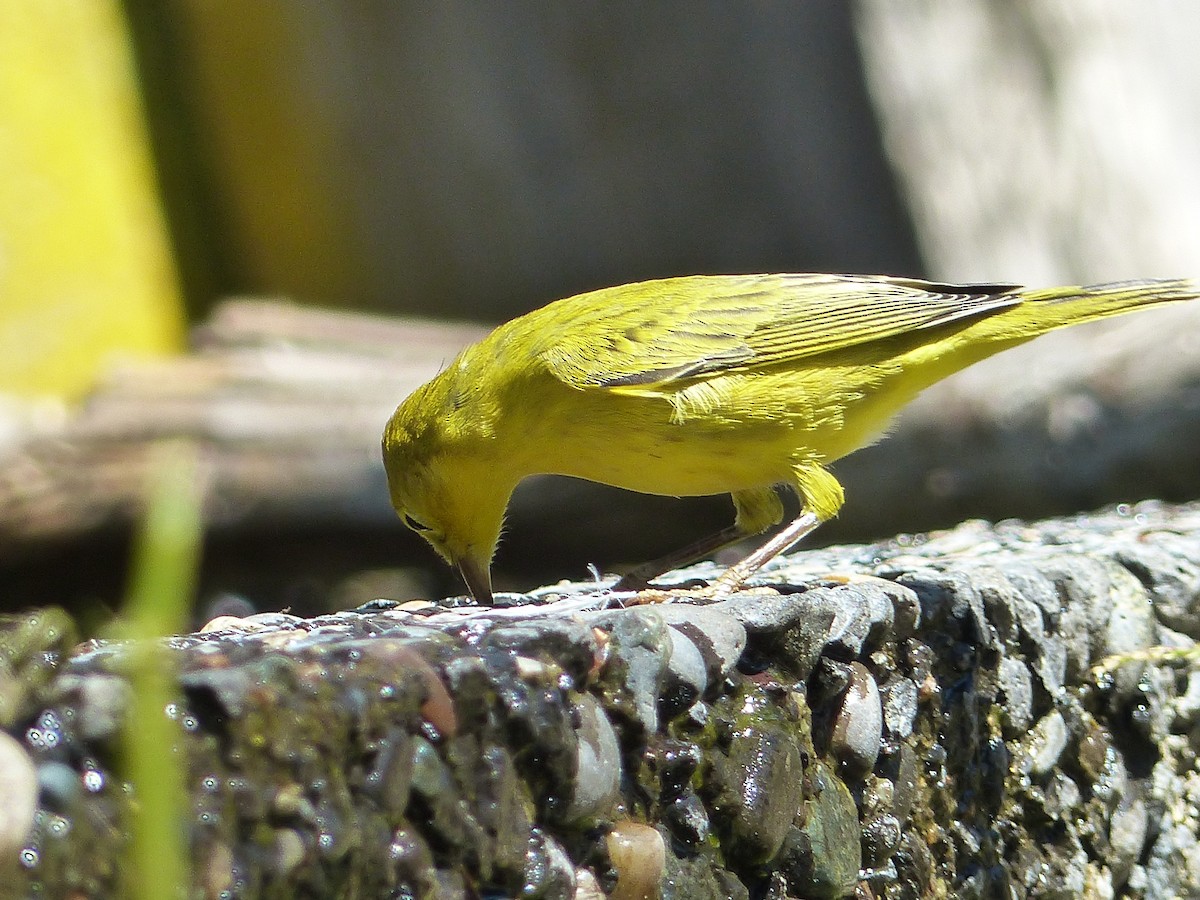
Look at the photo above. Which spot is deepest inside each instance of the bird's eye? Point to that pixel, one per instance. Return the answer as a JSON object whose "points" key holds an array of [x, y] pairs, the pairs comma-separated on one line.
{"points": [[414, 524]]}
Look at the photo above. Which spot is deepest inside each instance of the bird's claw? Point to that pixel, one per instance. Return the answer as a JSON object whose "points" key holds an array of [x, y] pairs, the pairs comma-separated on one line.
{"points": [[854, 578]]}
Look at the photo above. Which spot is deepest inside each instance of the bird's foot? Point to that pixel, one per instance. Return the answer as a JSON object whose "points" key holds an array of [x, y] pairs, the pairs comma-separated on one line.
{"points": [[630, 582], [703, 593], [853, 578], [636, 592], [669, 595]]}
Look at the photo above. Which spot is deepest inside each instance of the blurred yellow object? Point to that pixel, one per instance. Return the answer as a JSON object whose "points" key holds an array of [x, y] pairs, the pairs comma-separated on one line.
{"points": [[85, 262]]}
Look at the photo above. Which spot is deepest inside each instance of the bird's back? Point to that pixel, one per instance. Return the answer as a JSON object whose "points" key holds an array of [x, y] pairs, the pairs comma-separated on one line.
{"points": [[696, 368]]}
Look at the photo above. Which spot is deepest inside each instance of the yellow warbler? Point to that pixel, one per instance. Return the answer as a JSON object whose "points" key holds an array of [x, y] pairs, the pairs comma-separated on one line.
{"points": [[701, 385]]}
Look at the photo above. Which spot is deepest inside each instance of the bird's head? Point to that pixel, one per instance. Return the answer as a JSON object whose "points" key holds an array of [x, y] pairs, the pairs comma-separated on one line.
{"points": [[450, 491]]}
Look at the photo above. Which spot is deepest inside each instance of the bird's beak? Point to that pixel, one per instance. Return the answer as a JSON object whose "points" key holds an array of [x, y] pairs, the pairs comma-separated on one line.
{"points": [[478, 579]]}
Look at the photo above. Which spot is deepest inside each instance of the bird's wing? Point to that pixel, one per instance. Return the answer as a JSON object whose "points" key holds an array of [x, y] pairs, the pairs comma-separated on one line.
{"points": [[659, 332]]}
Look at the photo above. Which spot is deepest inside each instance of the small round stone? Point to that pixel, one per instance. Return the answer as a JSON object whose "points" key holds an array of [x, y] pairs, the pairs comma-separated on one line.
{"points": [[598, 761], [880, 840], [548, 869], [823, 856], [18, 794], [638, 854], [899, 706], [1047, 742], [858, 725], [767, 772], [687, 819]]}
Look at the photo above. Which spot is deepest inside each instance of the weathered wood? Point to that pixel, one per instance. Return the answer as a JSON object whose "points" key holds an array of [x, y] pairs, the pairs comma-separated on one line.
{"points": [[286, 403]]}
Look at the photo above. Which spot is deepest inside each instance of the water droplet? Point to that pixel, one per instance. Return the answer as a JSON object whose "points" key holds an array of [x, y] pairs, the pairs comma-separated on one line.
{"points": [[58, 827]]}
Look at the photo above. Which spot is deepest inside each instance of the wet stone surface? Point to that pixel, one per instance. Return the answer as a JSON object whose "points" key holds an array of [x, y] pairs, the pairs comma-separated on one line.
{"points": [[938, 729]]}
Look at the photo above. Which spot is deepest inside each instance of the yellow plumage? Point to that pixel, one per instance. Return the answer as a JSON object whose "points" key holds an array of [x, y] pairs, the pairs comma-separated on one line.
{"points": [[701, 385]]}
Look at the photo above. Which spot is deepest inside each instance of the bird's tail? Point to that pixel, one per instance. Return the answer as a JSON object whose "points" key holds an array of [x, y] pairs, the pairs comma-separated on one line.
{"points": [[1048, 309], [1043, 310], [1057, 307]]}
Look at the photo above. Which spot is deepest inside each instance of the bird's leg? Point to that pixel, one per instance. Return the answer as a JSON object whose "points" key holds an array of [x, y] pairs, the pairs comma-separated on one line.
{"points": [[640, 578], [733, 577]]}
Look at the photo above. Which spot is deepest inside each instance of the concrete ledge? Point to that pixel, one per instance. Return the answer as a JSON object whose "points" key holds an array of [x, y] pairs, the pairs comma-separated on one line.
{"points": [[946, 727]]}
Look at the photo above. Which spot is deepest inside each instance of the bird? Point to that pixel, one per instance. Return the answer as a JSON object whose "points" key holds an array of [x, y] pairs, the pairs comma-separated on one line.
{"points": [[699, 385]]}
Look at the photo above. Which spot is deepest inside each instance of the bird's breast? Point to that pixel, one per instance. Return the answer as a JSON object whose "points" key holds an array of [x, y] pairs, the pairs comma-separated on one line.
{"points": [[640, 443]]}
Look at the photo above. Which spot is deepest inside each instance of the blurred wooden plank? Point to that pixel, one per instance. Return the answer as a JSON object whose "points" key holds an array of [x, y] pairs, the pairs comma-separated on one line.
{"points": [[285, 403]]}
